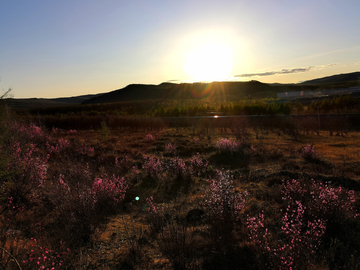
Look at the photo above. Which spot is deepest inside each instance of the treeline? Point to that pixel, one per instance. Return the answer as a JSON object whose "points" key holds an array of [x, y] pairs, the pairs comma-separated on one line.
{"points": [[289, 124], [170, 108], [337, 104], [184, 108]]}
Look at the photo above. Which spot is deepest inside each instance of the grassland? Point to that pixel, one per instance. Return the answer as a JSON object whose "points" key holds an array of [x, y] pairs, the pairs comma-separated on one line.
{"points": [[84, 223]]}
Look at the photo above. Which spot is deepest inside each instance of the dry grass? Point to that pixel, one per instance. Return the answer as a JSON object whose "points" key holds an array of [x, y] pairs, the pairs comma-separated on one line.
{"points": [[125, 240]]}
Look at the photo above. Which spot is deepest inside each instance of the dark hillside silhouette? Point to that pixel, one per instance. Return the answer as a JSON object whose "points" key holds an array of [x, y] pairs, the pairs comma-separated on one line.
{"points": [[339, 78]]}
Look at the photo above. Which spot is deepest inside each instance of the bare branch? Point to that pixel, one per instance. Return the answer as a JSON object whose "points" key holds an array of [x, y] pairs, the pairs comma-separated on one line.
{"points": [[7, 94], [12, 257]]}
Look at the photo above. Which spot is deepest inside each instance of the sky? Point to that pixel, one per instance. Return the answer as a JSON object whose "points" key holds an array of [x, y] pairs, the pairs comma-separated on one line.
{"points": [[57, 48]]}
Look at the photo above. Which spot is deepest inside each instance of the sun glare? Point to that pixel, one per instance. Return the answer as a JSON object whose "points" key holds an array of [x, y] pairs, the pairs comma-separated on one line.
{"points": [[209, 62]]}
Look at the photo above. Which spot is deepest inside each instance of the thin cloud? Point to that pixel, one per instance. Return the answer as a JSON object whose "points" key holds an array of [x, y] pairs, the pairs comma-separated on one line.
{"points": [[330, 52], [173, 81], [270, 73]]}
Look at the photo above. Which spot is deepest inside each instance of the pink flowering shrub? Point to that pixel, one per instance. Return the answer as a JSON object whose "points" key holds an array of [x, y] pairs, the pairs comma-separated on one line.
{"points": [[149, 138], [178, 167], [40, 257], [155, 215], [61, 146], [196, 140], [85, 150], [76, 212], [220, 200], [154, 167], [309, 152], [322, 200], [171, 148], [82, 200], [72, 132], [222, 206], [197, 165], [29, 167], [299, 238], [311, 208], [227, 146], [28, 133], [108, 191]]}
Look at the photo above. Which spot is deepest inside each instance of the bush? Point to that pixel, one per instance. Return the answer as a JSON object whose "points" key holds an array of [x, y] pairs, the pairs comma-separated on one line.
{"points": [[222, 207], [309, 152], [227, 146]]}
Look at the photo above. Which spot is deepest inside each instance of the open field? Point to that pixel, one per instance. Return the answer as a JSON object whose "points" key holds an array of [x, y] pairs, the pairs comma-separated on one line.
{"points": [[179, 198]]}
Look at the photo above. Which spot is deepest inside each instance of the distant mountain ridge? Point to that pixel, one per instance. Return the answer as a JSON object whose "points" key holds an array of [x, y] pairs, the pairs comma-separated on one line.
{"points": [[339, 78], [219, 91], [30, 103], [223, 91]]}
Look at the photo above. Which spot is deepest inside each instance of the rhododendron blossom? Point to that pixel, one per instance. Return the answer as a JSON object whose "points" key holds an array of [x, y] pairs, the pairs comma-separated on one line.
{"points": [[225, 145]]}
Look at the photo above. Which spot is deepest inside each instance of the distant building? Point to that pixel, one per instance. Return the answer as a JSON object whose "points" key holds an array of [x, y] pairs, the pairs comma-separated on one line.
{"points": [[328, 92]]}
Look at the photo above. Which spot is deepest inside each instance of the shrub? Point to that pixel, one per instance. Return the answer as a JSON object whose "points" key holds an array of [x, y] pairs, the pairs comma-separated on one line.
{"points": [[299, 239], [108, 191], [227, 146], [72, 132], [222, 207], [198, 165], [309, 152], [149, 138], [311, 208], [29, 167], [178, 167], [59, 147], [323, 201], [155, 215], [105, 131], [170, 148], [154, 167]]}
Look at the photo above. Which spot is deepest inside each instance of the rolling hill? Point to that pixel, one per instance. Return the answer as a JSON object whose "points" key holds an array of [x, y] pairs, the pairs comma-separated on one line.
{"points": [[335, 79], [223, 91], [219, 91]]}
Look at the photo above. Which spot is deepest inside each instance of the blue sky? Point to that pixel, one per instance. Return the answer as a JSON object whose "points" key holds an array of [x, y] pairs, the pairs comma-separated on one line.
{"points": [[68, 48]]}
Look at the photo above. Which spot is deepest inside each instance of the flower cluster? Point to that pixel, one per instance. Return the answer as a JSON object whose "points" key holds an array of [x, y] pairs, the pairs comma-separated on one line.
{"points": [[59, 147], [170, 148], [321, 199], [178, 167], [155, 216], [40, 257], [30, 133], [85, 150], [30, 165], [149, 138], [153, 167], [309, 152], [220, 200], [299, 238], [227, 146], [197, 164], [109, 189]]}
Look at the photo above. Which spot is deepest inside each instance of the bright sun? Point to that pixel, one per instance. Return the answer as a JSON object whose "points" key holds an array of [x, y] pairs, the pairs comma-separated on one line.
{"points": [[209, 62]]}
